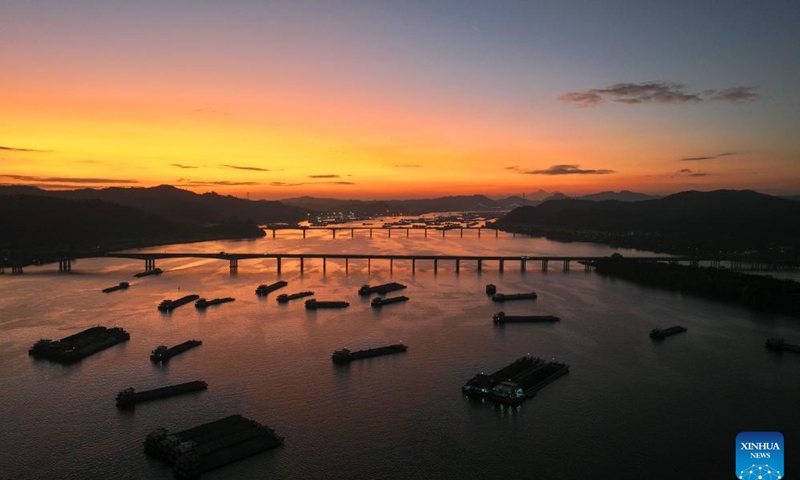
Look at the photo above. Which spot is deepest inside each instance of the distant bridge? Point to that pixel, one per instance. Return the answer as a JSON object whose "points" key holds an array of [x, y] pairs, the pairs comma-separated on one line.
{"points": [[732, 262], [398, 230]]}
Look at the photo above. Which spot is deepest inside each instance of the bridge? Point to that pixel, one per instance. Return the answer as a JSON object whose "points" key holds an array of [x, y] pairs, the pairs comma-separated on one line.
{"points": [[565, 262], [398, 230]]}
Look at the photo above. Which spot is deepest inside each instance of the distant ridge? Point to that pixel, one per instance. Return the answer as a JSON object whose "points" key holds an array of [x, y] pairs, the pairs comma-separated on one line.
{"points": [[684, 221]]}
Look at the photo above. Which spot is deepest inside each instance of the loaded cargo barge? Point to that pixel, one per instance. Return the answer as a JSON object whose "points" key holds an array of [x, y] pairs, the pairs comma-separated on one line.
{"points": [[517, 381], [284, 298], [380, 289], [263, 289], [155, 271], [78, 346], [501, 318], [121, 286], [779, 344], [378, 302], [203, 303], [130, 397], [315, 304], [211, 445], [162, 353], [170, 305], [502, 297], [345, 356], [659, 333]]}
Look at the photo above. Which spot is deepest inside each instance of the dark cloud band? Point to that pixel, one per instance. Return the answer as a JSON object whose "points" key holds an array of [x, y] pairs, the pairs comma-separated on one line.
{"points": [[657, 92]]}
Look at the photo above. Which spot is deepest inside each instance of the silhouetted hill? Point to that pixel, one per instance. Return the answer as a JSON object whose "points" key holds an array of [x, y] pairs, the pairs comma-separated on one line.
{"points": [[622, 196], [686, 221], [35, 222], [178, 204]]}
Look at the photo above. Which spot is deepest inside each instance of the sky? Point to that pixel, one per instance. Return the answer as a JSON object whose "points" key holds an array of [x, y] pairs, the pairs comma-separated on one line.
{"points": [[401, 99]]}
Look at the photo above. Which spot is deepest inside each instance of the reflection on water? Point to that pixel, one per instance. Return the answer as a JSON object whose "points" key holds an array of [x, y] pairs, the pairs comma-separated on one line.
{"points": [[626, 401]]}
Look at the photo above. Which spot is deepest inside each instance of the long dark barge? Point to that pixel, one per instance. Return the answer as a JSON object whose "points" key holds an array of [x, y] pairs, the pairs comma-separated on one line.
{"points": [[155, 271], [170, 305], [284, 298], [264, 289], [345, 355], [515, 382], [380, 289], [500, 318], [121, 286], [378, 302], [78, 346], [130, 397], [779, 344], [162, 353], [211, 445], [502, 297], [659, 333], [314, 304], [203, 303]]}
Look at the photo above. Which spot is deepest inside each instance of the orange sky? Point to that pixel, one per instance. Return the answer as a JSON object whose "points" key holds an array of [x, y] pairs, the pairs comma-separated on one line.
{"points": [[356, 108]]}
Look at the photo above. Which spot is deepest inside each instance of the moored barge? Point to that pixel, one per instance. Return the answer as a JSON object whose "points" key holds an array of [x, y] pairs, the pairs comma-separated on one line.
{"points": [[170, 305], [380, 289], [211, 445], [345, 355], [491, 289], [502, 297], [121, 286], [203, 303], [284, 298], [378, 302], [501, 318], [155, 271], [314, 304], [659, 333], [515, 382], [78, 346], [264, 289], [130, 397], [162, 353]]}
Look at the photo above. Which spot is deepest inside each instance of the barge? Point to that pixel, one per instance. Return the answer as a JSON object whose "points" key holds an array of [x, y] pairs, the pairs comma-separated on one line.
{"points": [[491, 289], [130, 397], [170, 305], [502, 297], [345, 355], [380, 289], [378, 302], [162, 353], [78, 346], [314, 304], [515, 382], [779, 344], [211, 445], [659, 333], [501, 318], [264, 289], [121, 286], [284, 298], [203, 303], [155, 271]]}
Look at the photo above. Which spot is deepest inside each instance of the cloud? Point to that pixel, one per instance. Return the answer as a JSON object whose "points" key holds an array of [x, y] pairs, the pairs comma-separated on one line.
{"points": [[15, 149], [686, 172], [218, 183], [734, 95], [324, 176], [178, 165], [407, 165], [298, 184], [563, 170], [694, 159], [656, 92], [28, 178], [255, 169], [699, 174]]}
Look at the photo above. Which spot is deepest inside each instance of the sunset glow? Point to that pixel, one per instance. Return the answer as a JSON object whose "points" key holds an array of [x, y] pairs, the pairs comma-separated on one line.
{"points": [[399, 99]]}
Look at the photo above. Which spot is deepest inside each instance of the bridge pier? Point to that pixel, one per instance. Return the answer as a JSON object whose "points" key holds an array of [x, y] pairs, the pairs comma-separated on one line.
{"points": [[514, 234], [301, 264], [65, 265], [2, 269], [458, 264], [369, 265], [304, 232], [502, 264], [413, 265], [352, 232], [426, 232], [391, 265], [370, 233], [523, 265], [334, 232], [496, 233], [346, 265], [279, 264], [479, 233], [16, 269], [544, 265], [462, 233], [443, 230], [587, 267], [566, 265], [273, 233], [149, 264], [436, 265], [390, 232], [234, 264], [407, 232], [324, 265], [480, 265]]}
